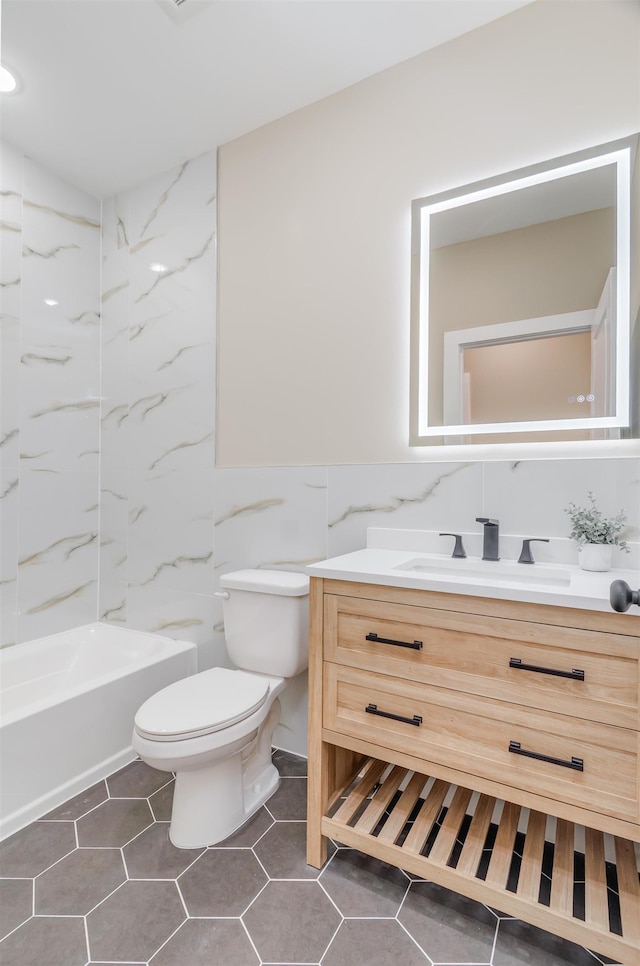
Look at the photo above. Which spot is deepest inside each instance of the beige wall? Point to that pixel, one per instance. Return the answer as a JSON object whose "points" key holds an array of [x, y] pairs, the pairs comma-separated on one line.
{"points": [[533, 380], [546, 269], [314, 220]]}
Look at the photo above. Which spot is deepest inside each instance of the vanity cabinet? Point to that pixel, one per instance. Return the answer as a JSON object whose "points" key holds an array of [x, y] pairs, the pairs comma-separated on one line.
{"points": [[453, 736]]}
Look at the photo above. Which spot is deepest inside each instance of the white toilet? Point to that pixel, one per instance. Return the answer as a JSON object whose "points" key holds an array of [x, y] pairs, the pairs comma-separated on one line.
{"points": [[214, 729]]}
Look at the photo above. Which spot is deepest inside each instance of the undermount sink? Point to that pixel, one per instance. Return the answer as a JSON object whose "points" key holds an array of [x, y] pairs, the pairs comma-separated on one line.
{"points": [[494, 570]]}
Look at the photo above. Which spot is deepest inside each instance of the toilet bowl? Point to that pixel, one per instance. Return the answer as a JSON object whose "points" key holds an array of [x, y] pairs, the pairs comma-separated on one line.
{"points": [[215, 729]]}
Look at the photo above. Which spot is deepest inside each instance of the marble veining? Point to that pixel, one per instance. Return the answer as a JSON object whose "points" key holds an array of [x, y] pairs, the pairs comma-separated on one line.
{"points": [[176, 625], [163, 199], [29, 358], [85, 318], [121, 231], [76, 542], [7, 437], [50, 252], [178, 562], [117, 496], [179, 353], [11, 486], [111, 292], [59, 599], [397, 502], [115, 614], [136, 513], [81, 220], [35, 456], [80, 406], [188, 444], [164, 276], [142, 407], [256, 507], [137, 330], [117, 414]]}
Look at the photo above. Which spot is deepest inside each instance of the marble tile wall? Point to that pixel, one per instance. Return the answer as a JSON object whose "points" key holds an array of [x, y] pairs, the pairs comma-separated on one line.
{"points": [[49, 403], [158, 400]]}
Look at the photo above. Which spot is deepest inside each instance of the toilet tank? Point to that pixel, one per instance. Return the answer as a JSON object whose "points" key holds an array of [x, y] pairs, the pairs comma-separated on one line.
{"points": [[266, 621]]}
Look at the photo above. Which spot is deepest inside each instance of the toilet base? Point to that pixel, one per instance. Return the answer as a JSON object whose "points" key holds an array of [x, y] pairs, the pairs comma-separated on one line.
{"points": [[212, 802]]}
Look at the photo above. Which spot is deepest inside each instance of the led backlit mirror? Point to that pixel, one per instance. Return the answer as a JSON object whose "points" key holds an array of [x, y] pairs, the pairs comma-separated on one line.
{"points": [[520, 304]]}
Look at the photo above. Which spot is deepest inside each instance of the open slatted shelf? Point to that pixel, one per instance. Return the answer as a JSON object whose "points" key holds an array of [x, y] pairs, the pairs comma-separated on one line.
{"points": [[497, 853]]}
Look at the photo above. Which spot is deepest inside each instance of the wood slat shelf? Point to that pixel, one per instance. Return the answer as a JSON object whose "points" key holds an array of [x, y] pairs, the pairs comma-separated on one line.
{"points": [[495, 852]]}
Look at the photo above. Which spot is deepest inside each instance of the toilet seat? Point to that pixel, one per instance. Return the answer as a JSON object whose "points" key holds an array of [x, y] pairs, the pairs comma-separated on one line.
{"points": [[202, 704]]}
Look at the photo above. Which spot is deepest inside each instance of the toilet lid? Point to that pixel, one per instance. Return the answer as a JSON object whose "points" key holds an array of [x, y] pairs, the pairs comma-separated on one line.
{"points": [[201, 704]]}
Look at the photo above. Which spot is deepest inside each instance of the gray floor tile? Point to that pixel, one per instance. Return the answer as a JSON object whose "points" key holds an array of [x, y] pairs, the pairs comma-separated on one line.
{"points": [[73, 886], [289, 803], [377, 942], [152, 856], [208, 942], [16, 903], [519, 943], [290, 919], [250, 832], [303, 933], [80, 804], [35, 848], [114, 823], [161, 802], [222, 882], [362, 886], [283, 852], [135, 921], [46, 941], [137, 780], [449, 927], [289, 764]]}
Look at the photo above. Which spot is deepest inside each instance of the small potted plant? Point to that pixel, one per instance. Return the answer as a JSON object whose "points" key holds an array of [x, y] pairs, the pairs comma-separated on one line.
{"points": [[595, 535]]}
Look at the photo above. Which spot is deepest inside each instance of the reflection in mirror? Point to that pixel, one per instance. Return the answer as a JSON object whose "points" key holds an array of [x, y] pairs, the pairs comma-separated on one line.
{"points": [[520, 304]]}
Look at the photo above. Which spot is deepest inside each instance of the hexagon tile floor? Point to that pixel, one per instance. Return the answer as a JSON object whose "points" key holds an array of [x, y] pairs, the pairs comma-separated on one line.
{"points": [[97, 881]]}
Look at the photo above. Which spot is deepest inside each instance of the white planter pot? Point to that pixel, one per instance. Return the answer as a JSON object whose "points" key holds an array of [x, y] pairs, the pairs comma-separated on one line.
{"points": [[595, 556]]}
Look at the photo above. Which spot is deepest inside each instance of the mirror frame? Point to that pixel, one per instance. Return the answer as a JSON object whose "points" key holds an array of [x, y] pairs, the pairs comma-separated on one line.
{"points": [[621, 153]]}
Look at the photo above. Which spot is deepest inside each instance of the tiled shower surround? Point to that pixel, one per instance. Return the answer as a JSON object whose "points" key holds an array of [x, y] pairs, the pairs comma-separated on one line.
{"points": [[49, 401], [98, 881], [108, 433]]}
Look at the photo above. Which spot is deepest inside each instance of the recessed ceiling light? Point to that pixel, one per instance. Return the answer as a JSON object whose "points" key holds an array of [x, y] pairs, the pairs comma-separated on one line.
{"points": [[8, 83]]}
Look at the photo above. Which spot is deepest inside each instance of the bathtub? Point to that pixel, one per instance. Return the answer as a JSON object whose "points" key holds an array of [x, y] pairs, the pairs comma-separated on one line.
{"points": [[67, 704]]}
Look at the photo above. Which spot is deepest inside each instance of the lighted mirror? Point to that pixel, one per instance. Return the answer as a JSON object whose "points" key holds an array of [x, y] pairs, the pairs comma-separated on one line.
{"points": [[520, 304]]}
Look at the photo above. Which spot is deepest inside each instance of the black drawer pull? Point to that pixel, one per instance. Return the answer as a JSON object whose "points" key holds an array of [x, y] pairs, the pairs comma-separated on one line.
{"points": [[415, 646], [576, 763], [373, 709], [575, 674]]}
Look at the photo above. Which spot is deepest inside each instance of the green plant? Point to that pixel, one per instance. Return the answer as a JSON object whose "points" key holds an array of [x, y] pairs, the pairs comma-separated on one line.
{"points": [[589, 525]]}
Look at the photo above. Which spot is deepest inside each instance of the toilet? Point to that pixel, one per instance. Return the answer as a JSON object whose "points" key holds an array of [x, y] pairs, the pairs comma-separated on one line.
{"points": [[214, 729]]}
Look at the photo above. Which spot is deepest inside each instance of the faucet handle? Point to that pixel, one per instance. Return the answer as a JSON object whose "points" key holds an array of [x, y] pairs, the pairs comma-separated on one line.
{"points": [[458, 550], [492, 523], [526, 556]]}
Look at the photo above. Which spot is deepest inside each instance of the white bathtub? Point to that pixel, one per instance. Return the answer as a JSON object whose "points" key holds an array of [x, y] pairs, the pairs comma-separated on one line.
{"points": [[67, 704]]}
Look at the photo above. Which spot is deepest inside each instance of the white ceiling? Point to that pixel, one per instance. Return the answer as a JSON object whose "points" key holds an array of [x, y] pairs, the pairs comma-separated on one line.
{"points": [[113, 92]]}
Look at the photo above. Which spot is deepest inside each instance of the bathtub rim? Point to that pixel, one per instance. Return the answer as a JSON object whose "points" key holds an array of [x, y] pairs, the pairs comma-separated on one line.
{"points": [[171, 647]]}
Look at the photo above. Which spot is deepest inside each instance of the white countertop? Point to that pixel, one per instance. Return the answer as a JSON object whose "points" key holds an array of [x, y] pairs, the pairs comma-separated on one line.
{"points": [[560, 584]]}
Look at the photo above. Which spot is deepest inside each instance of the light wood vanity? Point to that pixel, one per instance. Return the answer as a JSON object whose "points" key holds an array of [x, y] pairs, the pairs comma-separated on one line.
{"points": [[513, 717]]}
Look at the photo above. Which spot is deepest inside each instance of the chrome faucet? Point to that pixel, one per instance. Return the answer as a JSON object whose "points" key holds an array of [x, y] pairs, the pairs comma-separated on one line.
{"points": [[491, 539]]}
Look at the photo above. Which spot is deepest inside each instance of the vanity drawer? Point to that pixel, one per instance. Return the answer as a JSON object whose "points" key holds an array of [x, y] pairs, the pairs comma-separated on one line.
{"points": [[475, 734], [589, 674]]}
